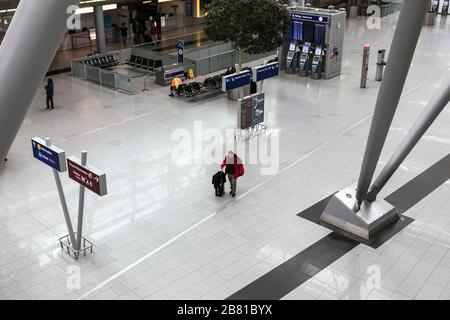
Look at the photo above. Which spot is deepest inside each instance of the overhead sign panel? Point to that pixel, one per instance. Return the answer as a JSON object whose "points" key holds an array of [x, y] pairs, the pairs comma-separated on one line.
{"points": [[87, 176], [236, 80], [309, 17], [268, 71], [51, 156]]}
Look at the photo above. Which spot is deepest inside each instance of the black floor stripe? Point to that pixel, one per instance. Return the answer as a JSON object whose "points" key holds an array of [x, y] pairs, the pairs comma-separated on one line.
{"points": [[302, 267], [420, 187], [291, 274]]}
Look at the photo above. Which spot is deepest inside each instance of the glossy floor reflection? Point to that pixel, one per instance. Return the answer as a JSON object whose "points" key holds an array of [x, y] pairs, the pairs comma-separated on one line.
{"points": [[162, 234]]}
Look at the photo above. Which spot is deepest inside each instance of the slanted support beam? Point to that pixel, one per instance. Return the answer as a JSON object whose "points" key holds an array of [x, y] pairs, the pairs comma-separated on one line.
{"points": [[404, 43], [26, 53], [437, 103]]}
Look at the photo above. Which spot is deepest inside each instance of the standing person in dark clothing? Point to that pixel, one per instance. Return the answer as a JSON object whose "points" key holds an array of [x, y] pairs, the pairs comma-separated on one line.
{"points": [[49, 90], [233, 169], [124, 33]]}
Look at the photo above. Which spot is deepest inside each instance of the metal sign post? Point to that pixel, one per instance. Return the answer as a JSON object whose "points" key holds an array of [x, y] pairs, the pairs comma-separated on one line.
{"points": [[62, 197], [262, 82], [180, 51], [81, 204]]}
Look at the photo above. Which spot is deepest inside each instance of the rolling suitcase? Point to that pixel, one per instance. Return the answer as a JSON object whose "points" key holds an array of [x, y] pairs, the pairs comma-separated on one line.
{"points": [[218, 181]]}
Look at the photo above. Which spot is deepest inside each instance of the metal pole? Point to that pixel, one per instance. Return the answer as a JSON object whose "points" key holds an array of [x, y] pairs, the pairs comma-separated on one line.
{"points": [[30, 44], [81, 204], [404, 43], [48, 143], [437, 103]]}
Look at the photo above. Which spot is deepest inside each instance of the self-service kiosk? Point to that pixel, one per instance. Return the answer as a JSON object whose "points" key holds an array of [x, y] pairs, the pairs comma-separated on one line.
{"points": [[435, 6], [305, 61], [316, 68], [445, 6], [312, 28], [291, 59]]}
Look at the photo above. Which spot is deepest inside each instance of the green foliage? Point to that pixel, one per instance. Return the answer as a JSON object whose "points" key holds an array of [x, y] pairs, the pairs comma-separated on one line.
{"points": [[255, 26]]}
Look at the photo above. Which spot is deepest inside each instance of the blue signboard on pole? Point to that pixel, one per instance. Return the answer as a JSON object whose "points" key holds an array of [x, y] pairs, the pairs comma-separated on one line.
{"points": [[51, 156], [180, 51], [267, 71], [236, 80]]}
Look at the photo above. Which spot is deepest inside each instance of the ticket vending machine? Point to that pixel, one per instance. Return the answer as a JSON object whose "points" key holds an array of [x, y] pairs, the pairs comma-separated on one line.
{"points": [[314, 27], [305, 61], [435, 6], [291, 59], [445, 6], [316, 68]]}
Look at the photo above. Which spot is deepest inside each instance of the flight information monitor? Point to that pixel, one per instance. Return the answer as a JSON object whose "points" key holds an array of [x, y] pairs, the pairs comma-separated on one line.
{"points": [[308, 31], [298, 30]]}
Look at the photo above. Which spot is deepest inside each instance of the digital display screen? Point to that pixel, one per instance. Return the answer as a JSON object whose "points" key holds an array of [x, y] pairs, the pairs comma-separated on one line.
{"points": [[308, 31], [298, 30], [292, 46], [305, 49], [318, 51]]}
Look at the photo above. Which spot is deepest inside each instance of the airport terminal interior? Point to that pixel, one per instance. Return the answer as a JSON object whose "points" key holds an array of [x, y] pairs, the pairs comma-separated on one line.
{"points": [[153, 225]]}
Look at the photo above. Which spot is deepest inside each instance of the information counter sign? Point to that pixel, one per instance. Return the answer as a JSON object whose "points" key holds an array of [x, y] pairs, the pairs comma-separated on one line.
{"points": [[236, 80], [172, 73], [51, 156], [87, 176], [268, 71]]}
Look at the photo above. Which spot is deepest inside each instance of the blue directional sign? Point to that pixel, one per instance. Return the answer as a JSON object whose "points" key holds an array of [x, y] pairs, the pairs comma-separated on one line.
{"points": [[180, 51], [265, 72], [309, 17], [51, 156], [236, 80]]}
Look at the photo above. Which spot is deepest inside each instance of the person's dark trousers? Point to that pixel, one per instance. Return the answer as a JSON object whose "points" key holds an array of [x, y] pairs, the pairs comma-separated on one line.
{"points": [[50, 104]]}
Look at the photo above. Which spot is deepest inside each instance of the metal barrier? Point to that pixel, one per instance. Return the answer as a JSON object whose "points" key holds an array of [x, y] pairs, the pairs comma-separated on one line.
{"points": [[125, 83], [108, 79], [93, 74], [105, 77], [224, 60], [79, 69]]}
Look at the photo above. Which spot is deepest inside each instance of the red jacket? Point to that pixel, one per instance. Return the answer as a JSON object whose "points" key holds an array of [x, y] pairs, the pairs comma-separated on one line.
{"points": [[238, 166]]}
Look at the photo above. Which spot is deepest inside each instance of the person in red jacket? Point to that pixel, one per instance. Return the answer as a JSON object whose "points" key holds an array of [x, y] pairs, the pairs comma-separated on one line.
{"points": [[233, 169]]}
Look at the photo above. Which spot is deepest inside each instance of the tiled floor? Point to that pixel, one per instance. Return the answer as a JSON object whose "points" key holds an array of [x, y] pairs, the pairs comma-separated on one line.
{"points": [[162, 234]]}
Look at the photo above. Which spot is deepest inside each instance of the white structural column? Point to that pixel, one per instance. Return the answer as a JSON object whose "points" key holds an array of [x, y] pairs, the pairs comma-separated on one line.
{"points": [[26, 53], [100, 29]]}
